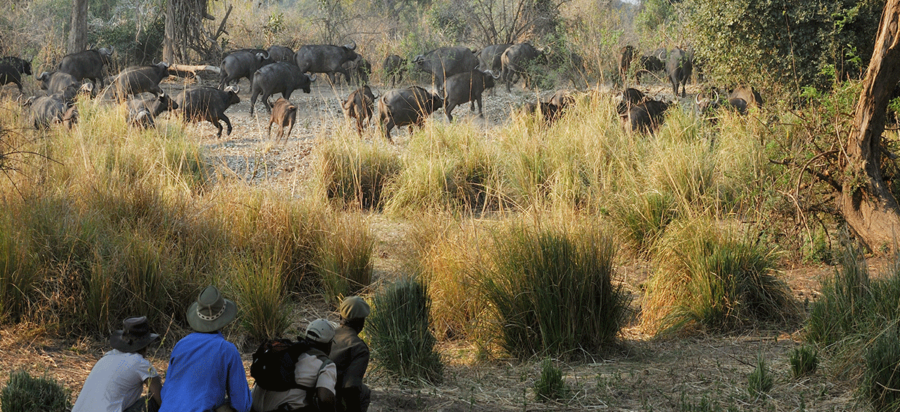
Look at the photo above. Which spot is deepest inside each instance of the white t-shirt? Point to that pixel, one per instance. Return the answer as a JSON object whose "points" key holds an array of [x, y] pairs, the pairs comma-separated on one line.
{"points": [[115, 382], [308, 372]]}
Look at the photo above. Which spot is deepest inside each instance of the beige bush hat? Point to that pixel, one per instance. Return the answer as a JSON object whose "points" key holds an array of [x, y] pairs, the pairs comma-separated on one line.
{"points": [[320, 330], [354, 307], [211, 311]]}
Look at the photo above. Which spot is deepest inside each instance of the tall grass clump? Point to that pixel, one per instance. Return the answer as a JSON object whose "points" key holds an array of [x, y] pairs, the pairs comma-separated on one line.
{"points": [[447, 168], [445, 252], [881, 379], [261, 294], [550, 288], [24, 393], [343, 257], [644, 218], [709, 277], [354, 172], [760, 380], [18, 277], [399, 331], [804, 361]]}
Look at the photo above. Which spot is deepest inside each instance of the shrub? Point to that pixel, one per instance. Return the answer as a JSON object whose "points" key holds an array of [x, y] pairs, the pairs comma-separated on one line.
{"points": [[644, 219], [24, 393], [804, 361], [400, 334], [343, 258], [261, 295], [708, 277], [551, 385], [550, 288], [760, 380]]}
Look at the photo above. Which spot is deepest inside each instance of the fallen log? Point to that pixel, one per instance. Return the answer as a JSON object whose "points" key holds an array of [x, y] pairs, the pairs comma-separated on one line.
{"points": [[184, 70]]}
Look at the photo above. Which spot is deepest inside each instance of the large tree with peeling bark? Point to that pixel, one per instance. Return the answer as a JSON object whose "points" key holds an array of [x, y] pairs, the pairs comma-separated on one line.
{"points": [[186, 32], [866, 202]]}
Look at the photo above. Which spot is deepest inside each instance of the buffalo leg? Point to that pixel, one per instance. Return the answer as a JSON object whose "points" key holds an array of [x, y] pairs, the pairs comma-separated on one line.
{"points": [[448, 110]]}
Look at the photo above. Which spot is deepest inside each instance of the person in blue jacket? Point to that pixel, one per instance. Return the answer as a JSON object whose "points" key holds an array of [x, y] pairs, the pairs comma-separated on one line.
{"points": [[205, 370]]}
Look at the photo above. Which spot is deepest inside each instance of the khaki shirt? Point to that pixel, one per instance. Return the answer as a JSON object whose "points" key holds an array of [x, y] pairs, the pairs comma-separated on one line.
{"points": [[308, 372]]}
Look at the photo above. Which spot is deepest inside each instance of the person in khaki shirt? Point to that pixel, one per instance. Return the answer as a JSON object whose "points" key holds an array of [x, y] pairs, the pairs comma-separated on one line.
{"points": [[351, 355], [313, 370]]}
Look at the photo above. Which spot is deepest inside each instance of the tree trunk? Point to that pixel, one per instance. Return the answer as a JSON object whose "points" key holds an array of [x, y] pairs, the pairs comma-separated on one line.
{"points": [[78, 32], [169, 41], [866, 202], [186, 32]]}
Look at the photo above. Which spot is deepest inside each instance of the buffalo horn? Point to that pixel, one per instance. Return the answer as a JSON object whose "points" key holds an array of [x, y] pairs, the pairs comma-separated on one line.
{"points": [[234, 89], [311, 78], [262, 55], [87, 87], [352, 45], [491, 73], [43, 76], [697, 99]]}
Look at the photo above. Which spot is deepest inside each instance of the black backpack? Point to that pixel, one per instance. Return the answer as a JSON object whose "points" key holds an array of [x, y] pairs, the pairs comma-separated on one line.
{"points": [[274, 361]]}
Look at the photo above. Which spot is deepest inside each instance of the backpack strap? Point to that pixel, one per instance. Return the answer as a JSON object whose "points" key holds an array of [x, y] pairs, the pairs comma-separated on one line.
{"points": [[310, 391]]}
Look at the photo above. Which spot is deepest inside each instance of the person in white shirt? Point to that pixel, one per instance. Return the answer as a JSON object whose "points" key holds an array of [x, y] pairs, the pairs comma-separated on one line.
{"points": [[116, 381], [313, 370]]}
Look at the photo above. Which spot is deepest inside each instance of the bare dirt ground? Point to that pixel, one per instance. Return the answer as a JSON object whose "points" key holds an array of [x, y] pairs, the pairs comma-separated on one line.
{"points": [[641, 374]]}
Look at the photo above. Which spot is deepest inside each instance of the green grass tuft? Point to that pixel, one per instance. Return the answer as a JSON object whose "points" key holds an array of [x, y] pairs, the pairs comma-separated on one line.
{"points": [[24, 393], [399, 331], [551, 385], [804, 361], [760, 380], [550, 287]]}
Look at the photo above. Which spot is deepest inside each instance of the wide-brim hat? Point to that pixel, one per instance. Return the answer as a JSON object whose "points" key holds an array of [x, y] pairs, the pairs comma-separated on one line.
{"points": [[211, 311], [134, 337]]}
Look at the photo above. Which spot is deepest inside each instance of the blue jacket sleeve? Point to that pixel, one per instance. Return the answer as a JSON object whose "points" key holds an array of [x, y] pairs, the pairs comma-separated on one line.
{"points": [[238, 389]]}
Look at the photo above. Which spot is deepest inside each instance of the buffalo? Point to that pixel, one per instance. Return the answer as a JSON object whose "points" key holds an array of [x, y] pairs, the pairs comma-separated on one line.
{"points": [[630, 97], [517, 61], [53, 109], [284, 114], [679, 67], [445, 62], [359, 106], [359, 70], [323, 58], [88, 64], [281, 54], [626, 55], [549, 111], [136, 80], [55, 82], [490, 57], [649, 64], [406, 107], [242, 64], [12, 69], [207, 103], [646, 116], [740, 99], [281, 78], [394, 66], [467, 87], [142, 112]]}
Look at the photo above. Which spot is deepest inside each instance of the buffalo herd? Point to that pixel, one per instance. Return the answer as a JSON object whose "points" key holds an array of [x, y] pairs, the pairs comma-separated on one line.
{"points": [[458, 74]]}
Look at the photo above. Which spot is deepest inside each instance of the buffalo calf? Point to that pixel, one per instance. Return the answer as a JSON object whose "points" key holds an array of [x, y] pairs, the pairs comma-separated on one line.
{"points": [[359, 106], [284, 114]]}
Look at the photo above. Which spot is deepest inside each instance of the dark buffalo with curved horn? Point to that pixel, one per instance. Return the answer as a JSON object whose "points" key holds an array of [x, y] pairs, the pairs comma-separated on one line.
{"points": [[445, 62], [359, 106], [518, 61], [406, 107], [140, 79], [467, 87], [359, 70], [281, 78], [12, 69], [207, 103], [88, 64], [393, 67], [679, 68], [242, 64], [142, 112], [325, 58], [645, 117]]}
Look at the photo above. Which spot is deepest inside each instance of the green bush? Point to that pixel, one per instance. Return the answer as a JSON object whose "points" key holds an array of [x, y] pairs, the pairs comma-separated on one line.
{"points": [[645, 219], [804, 361], [550, 288], [709, 278], [24, 393], [399, 330], [551, 385], [760, 380]]}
